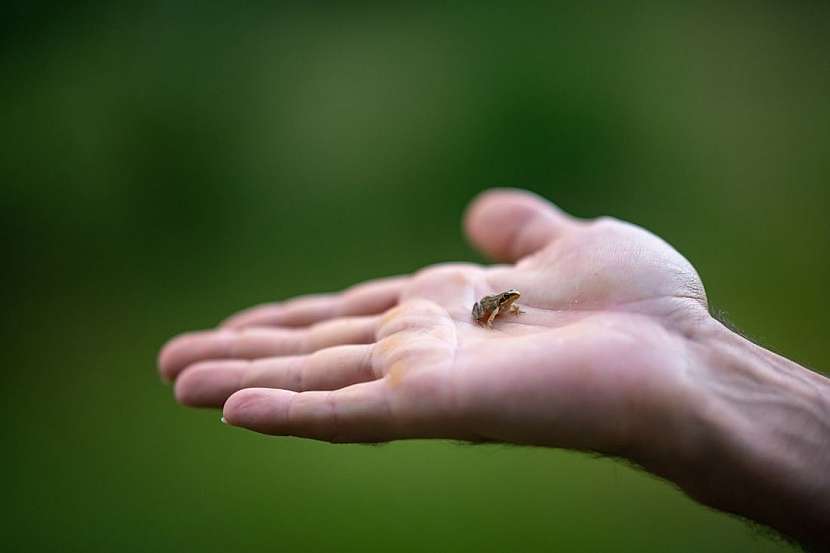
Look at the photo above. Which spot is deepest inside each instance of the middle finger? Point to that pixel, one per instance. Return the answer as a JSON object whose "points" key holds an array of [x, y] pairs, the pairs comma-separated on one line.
{"points": [[210, 383]]}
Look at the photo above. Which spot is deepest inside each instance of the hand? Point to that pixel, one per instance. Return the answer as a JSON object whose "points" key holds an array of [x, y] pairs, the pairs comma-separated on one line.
{"points": [[615, 352], [596, 361]]}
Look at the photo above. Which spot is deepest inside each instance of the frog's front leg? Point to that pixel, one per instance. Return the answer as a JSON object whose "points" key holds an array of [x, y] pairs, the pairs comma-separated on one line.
{"points": [[492, 316], [515, 309]]}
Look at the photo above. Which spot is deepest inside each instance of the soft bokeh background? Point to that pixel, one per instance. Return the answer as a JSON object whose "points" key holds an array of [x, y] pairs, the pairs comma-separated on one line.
{"points": [[162, 165]]}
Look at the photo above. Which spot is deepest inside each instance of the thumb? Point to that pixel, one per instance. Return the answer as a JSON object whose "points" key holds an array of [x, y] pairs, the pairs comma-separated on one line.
{"points": [[509, 224]]}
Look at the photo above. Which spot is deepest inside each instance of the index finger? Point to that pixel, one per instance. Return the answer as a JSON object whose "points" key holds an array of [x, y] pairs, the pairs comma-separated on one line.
{"points": [[368, 298]]}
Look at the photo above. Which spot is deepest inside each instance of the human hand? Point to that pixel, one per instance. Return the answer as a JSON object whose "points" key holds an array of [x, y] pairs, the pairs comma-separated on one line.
{"points": [[615, 352], [595, 361]]}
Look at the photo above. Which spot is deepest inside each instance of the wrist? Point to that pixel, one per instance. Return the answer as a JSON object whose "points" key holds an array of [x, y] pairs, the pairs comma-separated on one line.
{"points": [[752, 436]]}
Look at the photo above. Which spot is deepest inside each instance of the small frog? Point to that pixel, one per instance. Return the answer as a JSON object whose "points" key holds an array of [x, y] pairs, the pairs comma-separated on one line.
{"points": [[486, 309]]}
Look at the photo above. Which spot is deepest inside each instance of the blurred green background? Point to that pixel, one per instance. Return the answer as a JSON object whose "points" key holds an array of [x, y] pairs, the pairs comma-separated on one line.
{"points": [[164, 164]]}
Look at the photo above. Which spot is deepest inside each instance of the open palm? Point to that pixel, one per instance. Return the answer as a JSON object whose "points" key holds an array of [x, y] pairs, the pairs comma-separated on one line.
{"points": [[596, 361]]}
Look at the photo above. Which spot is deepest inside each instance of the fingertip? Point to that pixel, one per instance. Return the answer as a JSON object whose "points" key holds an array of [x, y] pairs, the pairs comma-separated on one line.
{"points": [[208, 384], [256, 408], [185, 349], [494, 199], [507, 223], [171, 358], [183, 391], [164, 360]]}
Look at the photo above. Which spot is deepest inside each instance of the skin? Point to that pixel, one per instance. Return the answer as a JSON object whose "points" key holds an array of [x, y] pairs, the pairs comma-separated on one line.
{"points": [[615, 352]]}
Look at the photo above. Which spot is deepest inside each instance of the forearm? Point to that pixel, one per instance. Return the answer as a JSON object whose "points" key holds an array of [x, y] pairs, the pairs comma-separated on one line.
{"points": [[756, 440]]}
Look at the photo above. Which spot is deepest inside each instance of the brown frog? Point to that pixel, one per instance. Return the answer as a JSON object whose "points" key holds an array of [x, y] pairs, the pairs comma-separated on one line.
{"points": [[487, 308]]}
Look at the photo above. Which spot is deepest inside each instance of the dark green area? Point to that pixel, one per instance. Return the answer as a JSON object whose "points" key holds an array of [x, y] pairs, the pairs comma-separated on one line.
{"points": [[164, 165]]}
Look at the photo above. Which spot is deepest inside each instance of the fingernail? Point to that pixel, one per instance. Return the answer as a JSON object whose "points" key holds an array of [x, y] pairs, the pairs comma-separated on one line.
{"points": [[223, 421]]}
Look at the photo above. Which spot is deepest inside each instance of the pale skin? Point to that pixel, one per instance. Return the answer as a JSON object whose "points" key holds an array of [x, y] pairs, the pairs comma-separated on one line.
{"points": [[614, 351]]}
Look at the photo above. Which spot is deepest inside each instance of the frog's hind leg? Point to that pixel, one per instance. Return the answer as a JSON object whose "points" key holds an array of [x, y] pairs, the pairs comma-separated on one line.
{"points": [[515, 309], [492, 316], [477, 313]]}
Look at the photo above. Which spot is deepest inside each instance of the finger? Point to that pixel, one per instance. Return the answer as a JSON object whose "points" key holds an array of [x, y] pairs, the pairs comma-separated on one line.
{"points": [[509, 224], [210, 383], [255, 342], [358, 413], [369, 298]]}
